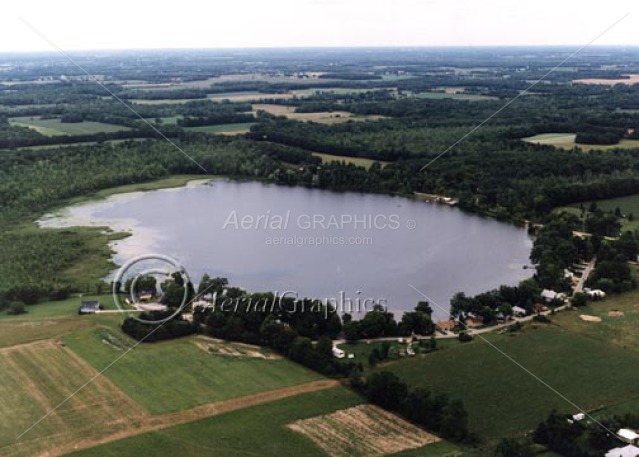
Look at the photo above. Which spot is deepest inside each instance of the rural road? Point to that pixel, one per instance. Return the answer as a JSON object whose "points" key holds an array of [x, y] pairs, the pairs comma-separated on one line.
{"points": [[584, 276], [449, 335]]}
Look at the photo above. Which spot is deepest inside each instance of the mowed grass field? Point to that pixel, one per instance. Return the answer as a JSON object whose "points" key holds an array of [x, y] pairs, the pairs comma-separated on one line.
{"points": [[36, 378], [567, 141], [53, 127], [176, 375], [619, 321], [501, 398]]}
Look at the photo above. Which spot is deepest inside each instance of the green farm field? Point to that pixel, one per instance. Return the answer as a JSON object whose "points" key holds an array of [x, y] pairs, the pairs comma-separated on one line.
{"points": [[36, 378], [257, 430], [502, 399], [176, 375], [53, 127]]}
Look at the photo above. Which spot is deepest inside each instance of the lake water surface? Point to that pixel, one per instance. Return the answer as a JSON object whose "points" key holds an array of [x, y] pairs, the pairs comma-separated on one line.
{"points": [[315, 243]]}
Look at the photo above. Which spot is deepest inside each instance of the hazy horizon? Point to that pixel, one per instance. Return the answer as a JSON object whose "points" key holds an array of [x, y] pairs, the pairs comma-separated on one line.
{"points": [[74, 26]]}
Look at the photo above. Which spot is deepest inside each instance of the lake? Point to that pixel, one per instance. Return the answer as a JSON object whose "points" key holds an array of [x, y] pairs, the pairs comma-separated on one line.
{"points": [[315, 243]]}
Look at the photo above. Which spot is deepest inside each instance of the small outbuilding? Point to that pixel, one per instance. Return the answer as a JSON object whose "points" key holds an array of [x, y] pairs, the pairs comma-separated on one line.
{"points": [[578, 417], [628, 436], [89, 307], [338, 353], [595, 293]]}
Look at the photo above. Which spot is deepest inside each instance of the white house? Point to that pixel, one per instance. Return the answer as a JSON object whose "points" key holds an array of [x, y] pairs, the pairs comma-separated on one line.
{"points": [[578, 417], [518, 311], [627, 451], [627, 435], [550, 295], [595, 293], [338, 353]]}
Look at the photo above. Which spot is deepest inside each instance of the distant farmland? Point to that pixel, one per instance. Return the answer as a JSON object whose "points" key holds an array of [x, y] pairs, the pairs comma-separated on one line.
{"points": [[631, 79], [358, 161], [322, 117], [452, 95], [54, 127], [223, 129], [567, 141]]}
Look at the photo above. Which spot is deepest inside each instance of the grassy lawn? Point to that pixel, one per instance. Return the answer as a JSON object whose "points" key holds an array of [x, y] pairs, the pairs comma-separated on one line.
{"points": [[258, 430], [358, 161], [175, 375], [54, 319], [224, 129], [567, 141], [503, 399], [53, 127], [615, 329], [27, 331], [361, 350], [60, 309]]}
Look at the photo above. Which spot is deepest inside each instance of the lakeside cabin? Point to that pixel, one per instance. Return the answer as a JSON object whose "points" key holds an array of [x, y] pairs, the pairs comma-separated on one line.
{"points": [[518, 311], [550, 295], [89, 307], [445, 326]]}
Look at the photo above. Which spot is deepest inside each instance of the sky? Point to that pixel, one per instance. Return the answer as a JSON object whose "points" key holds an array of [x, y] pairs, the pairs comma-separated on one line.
{"points": [[136, 24]]}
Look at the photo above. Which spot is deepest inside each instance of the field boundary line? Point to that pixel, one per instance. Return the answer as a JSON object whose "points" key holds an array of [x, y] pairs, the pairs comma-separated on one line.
{"points": [[512, 100], [17, 347], [70, 59], [526, 370], [154, 423]]}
